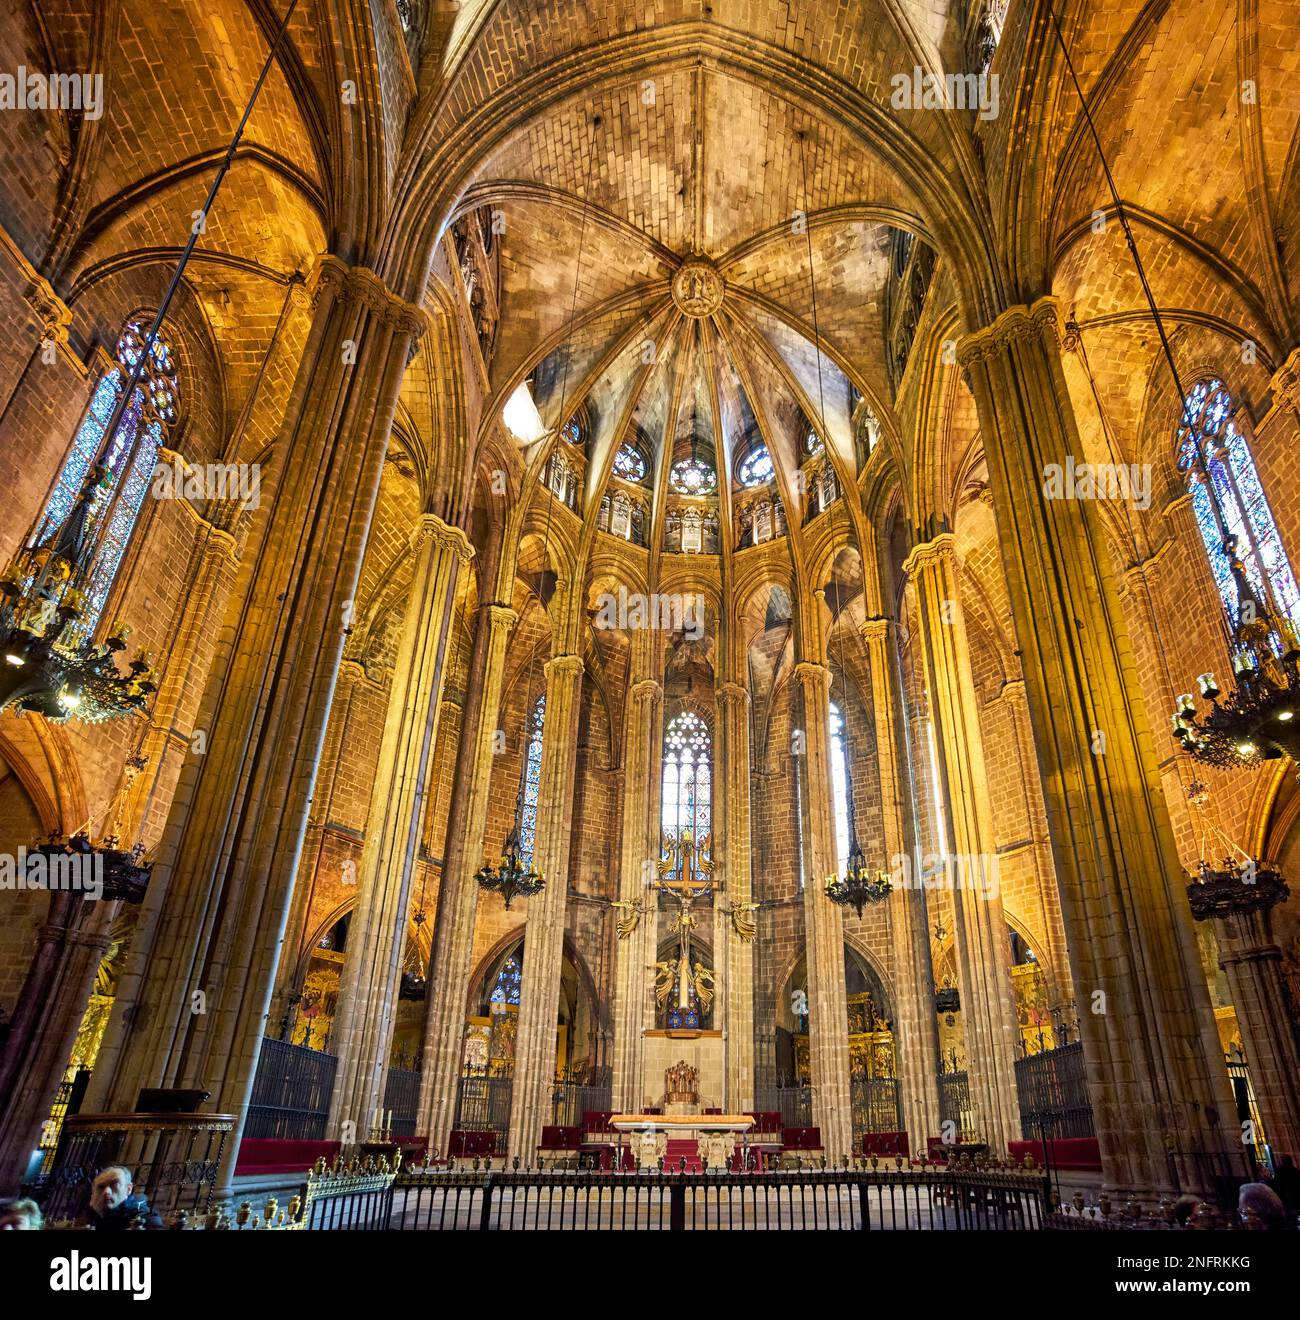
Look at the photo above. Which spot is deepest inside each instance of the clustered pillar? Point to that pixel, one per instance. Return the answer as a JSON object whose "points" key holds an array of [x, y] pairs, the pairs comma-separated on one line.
{"points": [[394, 829], [982, 939], [193, 1005], [539, 992], [453, 937], [828, 1009], [1159, 1089]]}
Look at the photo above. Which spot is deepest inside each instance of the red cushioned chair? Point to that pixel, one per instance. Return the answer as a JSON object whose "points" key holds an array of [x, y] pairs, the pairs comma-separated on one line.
{"points": [[560, 1138]]}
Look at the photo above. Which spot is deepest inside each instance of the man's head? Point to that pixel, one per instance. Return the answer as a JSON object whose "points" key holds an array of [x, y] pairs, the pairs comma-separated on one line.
{"points": [[19, 1214], [111, 1187]]}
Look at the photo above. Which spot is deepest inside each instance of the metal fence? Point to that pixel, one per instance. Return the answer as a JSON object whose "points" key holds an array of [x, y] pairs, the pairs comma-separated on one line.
{"points": [[954, 1102], [793, 1102], [483, 1101], [931, 1199], [571, 1097], [402, 1098], [876, 1106], [291, 1092], [1053, 1092]]}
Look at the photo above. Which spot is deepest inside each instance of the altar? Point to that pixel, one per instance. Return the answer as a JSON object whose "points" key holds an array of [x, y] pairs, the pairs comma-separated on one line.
{"points": [[714, 1135]]}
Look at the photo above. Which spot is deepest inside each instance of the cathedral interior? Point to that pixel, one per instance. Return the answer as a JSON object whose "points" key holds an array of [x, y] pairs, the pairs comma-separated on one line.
{"points": [[651, 590]]}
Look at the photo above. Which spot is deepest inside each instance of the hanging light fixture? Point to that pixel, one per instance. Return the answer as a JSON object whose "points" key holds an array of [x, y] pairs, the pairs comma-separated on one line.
{"points": [[515, 876], [45, 665], [1255, 721], [1235, 884]]}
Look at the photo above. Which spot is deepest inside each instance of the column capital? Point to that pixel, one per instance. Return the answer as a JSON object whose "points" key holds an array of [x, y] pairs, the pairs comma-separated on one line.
{"points": [[812, 672], [500, 616], [50, 310], [336, 278], [876, 629], [934, 551], [563, 665], [732, 692], [1014, 324], [430, 527], [646, 689]]}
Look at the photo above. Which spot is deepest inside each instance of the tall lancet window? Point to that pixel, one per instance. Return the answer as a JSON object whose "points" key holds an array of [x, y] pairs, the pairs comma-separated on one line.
{"points": [[1236, 507], [128, 463], [687, 776], [532, 785], [841, 786]]}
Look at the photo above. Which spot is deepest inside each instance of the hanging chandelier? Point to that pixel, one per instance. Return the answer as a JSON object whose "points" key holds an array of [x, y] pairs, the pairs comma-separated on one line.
{"points": [[859, 886], [50, 665], [1238, 884], [514, 876], [1258, 719], [102, 866]]}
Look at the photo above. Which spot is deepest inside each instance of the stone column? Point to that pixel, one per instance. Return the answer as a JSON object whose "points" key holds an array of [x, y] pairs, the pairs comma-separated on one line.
{"points": [[828, 1009], [1159, 1089], [191, 1010], [1252, 961], [49, 1009], [730, 950], [539, 992], [980, 929], [453, 932], [916, 1035], [634, 957], [394, 829]]}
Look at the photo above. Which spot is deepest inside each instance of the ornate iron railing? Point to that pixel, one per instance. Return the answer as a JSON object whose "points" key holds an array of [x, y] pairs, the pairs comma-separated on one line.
{"points": [[954, 1103], [483, 1101], [575, 1095], [291, 1092], [861, 1199], [1053, 1091], [402, 1098], [876, 1106]]}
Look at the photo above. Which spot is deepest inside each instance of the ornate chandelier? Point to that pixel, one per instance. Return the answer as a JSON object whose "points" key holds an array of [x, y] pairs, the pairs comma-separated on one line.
{"points": [[49, 666], [1259, 720], [1238, 884], [513, 877], [859, 886]]}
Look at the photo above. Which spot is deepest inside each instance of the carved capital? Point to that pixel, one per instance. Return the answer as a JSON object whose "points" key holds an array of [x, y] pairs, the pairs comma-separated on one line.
{"points": [[875, 630], [943, 546], [559, 666], [501, 616], [733, 693], [51, 311], [430, 527], [646, 690], [1013, 325], [811, 673]]}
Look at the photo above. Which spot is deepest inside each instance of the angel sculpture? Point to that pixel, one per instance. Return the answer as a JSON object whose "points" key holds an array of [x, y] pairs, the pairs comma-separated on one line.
{"points": [[627, 924]]}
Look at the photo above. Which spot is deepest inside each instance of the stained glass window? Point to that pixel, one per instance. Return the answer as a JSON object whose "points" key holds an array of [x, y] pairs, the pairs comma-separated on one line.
{"points": [[506, 989], [690, 476], [688, 1018], [629, 463], [572, 432], [812, 442], [1237, 507], [687, 776], [128, 462], [532, 781], [757, 467], [840, 786]]}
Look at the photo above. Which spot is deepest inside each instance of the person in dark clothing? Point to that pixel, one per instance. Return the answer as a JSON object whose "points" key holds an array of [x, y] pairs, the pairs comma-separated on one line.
{"points": [[1286, 1183], [113, 1207]]}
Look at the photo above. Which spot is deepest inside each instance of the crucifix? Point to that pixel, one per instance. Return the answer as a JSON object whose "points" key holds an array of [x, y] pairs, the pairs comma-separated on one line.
{"points": [[684, 859]]}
